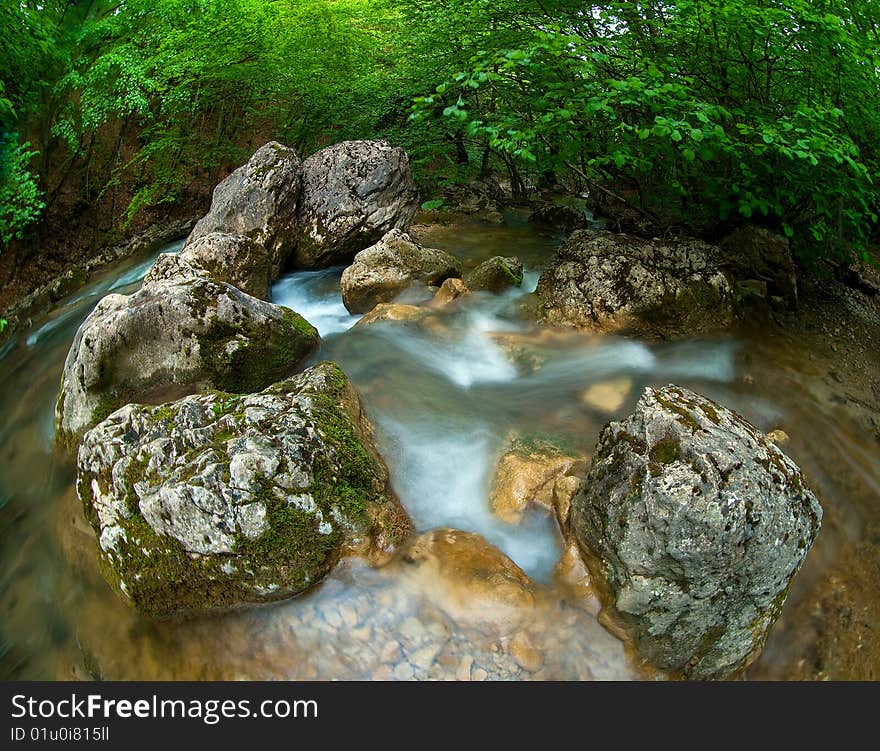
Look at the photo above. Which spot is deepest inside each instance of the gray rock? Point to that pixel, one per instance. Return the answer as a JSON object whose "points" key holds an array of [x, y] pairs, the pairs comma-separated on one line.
{"points": [[496, 275], [179, 333], [755, 254], [234, 259], [219, 501], [559, 216], [608, 282], [259, 200], [381, 272], [696, 523], [353, 193]]}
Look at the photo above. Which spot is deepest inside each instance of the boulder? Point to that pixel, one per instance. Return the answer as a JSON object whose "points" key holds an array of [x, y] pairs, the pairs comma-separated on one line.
{"points": [[179, 333], [259, 200], [533, 471], [219, 501], [496, 275], [603, 281], [234, 259], [384, 270], [449, 291], [559, 216], [353, 193], [695, 523], [755, 254]]}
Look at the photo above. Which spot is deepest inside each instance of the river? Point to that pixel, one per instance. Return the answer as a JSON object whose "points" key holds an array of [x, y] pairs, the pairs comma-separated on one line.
{"points": [[445, 394]]}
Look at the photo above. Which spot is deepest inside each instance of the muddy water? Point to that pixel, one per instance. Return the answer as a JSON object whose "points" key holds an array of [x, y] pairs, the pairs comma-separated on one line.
{"points": [[488, 601]]}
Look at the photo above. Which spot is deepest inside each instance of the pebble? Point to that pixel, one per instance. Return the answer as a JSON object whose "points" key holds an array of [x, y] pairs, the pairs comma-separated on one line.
{"points": [[349, 615], [403, 672], [480, 675], [424, 657], [463, 671], [412, 629], [391, 652]]}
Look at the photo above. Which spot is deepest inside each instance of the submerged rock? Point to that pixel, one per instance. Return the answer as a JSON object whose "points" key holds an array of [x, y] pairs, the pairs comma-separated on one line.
{"points": [[496, 275], [384, 270], [353, 193], [696, 524], [181, 332], [221, 500], [259, 200], [389, 311], [606, 282], [472, 580], [607, 396], [533, 471]]}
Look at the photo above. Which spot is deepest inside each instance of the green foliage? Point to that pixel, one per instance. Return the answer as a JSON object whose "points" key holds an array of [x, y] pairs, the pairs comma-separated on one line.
{"points": [[706, 112], [744, 109], [21, 200]]}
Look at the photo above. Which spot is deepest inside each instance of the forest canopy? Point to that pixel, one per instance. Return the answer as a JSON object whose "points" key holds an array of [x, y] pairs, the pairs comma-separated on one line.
{"points": [[704, 113]]}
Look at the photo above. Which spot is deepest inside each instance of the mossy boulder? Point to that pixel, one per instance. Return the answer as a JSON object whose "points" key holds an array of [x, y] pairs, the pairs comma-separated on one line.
{"points": [[353, 192], [176, 335], [394, 264], [603, 281], [496, 275], [259, 200], [220, 501], [693, 524]]}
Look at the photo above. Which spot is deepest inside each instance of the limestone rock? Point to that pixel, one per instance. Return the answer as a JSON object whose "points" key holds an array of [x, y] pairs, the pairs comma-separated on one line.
{"points": [[607, 396], [696, 524], [469, 578], [384, 270], [259, 200], [527, 473], [180, 333], [353, 193], [234, 259], [450, 290], [496, 275], [218, 501], [393, 312], [607, 282]]}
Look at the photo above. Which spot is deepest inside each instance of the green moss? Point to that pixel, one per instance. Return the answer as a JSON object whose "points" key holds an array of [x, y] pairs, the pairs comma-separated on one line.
{"points": [[531, 444], [684, 417], [298, 323], [516, 277], [263, 357], [665, 451]]}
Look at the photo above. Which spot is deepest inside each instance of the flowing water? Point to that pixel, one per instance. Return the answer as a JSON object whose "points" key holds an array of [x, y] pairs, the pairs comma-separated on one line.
{"points": [[445, 393]]}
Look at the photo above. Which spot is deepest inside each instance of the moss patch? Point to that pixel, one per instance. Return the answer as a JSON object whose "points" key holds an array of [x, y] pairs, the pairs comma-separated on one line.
{"points": [[665, 451]]}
